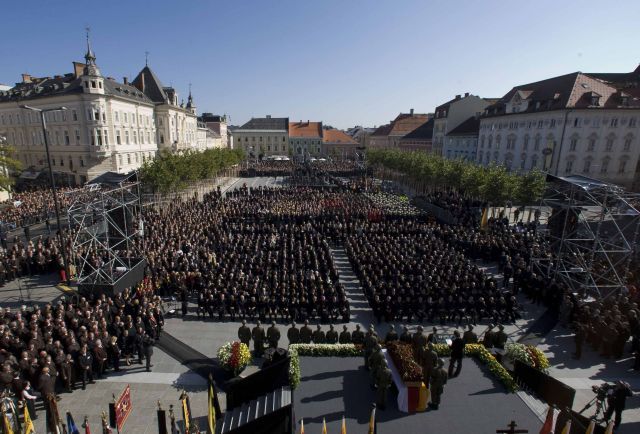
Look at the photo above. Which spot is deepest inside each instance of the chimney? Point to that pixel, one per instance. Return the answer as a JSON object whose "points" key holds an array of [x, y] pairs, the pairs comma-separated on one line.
{"points": [[125, 80], [411, 112], [457, 96], [466, 94], [26, 78]]}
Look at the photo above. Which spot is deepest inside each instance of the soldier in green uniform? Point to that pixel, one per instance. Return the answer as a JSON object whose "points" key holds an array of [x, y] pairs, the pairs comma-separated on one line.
{"points": [[500, 337], [332, 335], [306, 333], [383, 381], [489, 337], [293, 334], [370, 342], [357, 337], [392, 334], [419, 339], [258, 339], [428, 362], [273, 335], [318, 336], [345, 336], [405, 336], [469, 337], [438, 380], [244, 333]]}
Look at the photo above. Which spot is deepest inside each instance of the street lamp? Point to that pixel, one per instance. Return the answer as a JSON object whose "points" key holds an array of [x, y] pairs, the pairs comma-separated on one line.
{"points": [[53, 183]]}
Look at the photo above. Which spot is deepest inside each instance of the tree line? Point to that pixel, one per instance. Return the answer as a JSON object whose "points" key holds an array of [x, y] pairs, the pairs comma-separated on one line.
{"points": [[170, 172], [428, 173]]}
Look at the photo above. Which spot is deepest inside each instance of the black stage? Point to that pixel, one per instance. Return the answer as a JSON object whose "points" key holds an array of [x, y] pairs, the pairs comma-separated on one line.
{"points": [[472, 403]]}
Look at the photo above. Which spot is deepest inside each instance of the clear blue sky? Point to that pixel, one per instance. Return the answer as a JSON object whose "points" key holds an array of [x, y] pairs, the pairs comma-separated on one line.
{"points": [[344, 62]]}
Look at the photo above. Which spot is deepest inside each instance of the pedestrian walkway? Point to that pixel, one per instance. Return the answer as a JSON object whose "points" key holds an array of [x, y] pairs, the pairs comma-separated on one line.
{"points": [[360, 311]]}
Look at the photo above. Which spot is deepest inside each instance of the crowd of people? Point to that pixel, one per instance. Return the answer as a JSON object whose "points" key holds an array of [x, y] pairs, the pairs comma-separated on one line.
{"points": [[32, 206], [45, 351]]}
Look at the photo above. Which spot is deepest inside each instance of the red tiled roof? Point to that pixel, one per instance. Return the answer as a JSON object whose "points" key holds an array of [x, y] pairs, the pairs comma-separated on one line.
{"points": [[337, 137], [305, 129]]}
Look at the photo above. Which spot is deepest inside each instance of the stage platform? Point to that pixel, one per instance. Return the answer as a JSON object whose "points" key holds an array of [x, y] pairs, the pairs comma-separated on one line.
{"points": [[472, 403]]}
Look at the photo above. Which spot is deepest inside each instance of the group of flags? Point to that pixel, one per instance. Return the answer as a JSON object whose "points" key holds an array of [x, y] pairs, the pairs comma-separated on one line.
{"points": [[549, 425], [373, 429]]}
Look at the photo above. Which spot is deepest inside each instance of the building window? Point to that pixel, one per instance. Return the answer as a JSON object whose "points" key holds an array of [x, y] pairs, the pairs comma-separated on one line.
{"points": [[622, 166], [569, 167], [609, 145], [587, 166], [573, 144]]}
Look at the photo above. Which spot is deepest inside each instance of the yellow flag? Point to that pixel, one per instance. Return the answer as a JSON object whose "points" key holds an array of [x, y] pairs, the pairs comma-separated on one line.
{"points": [[591, 427], [609, 429], [567, 428], [324, 426], [28, 423], [7, 425], [344, 426]]}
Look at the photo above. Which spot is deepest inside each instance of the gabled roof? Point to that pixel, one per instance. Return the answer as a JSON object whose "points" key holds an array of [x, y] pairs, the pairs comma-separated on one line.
{"points": [[337, 137], [151, 85], [470, 127], [305, 129], [268, 123], [423, 132]]}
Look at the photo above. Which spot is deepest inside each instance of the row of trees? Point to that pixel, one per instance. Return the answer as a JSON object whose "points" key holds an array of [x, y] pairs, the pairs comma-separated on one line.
{"points": [[170, 172], [427, 172]]}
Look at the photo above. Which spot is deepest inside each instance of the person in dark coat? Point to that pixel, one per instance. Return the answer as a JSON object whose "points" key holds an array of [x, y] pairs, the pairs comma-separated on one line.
{"points": [[85, 361], [457, 353]]}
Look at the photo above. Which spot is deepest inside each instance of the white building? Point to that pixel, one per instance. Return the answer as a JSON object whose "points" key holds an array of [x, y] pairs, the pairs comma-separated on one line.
{"points": [[585, 124], [177, 123], [261, 137], [451, 114], [108, 126]]}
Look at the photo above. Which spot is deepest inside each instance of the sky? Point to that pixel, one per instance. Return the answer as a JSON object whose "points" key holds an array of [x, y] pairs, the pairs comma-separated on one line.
{"points": [[343, 62]]}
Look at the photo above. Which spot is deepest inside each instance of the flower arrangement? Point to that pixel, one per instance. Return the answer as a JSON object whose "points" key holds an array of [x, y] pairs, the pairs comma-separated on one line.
{"points": [[527, 354], [234, 356], [317, 350], [402, 355]]}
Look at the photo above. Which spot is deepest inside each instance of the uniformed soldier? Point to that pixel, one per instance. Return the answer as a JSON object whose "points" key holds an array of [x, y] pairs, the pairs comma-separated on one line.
{"points": [[438, 380], [405, 336], [293, 334], [500, 337], [357, 337], [306, 333], [370, 342], [345, 336], [376, 362], [383, 382], [489, 337], [258, 339], [318, 336], [428, 362], [392, 334], [244, 333], [332, 335], [469, 337], [419, 339], [273, 335]]}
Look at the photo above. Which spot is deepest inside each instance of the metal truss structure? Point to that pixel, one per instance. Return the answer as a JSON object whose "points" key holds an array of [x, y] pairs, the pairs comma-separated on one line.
{"points": [[592, 229], [105, 219]]}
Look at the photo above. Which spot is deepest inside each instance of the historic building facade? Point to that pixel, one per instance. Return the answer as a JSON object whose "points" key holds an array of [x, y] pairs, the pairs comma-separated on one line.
{"points": [[107, 125]]}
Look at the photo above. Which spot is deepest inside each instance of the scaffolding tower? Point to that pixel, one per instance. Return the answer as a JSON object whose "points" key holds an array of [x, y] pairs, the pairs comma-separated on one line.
{"points": [[106, 220], [592, 229]]}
